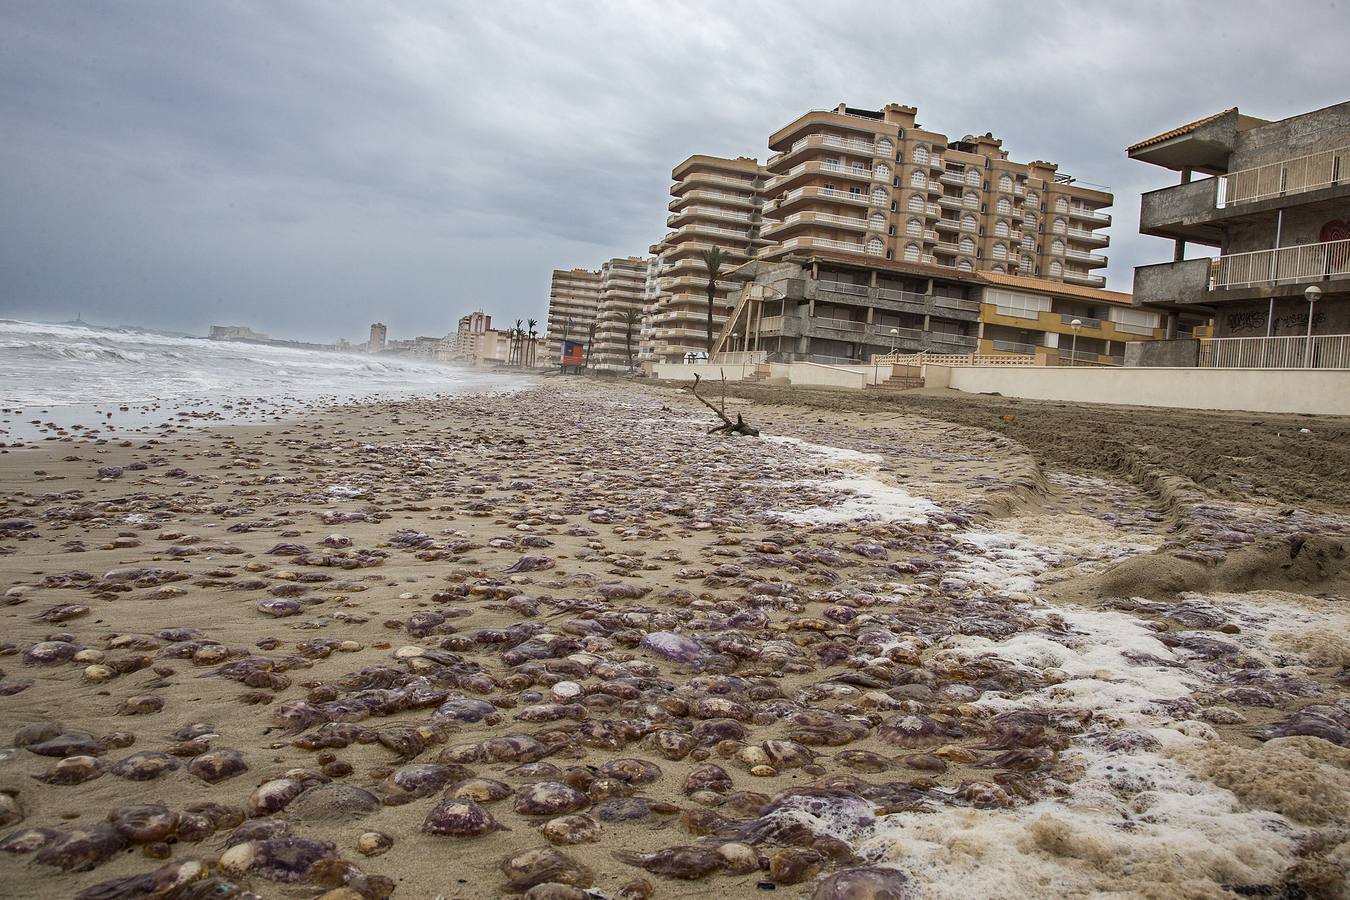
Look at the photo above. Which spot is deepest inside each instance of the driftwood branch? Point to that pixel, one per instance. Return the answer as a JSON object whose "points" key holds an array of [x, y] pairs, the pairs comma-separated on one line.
{"points": [[727, 427]]}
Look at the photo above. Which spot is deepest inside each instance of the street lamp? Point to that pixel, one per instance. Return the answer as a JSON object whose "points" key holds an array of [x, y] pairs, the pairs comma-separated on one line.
{"points": [[895, 333], [1312, 293], [1073, 352]]}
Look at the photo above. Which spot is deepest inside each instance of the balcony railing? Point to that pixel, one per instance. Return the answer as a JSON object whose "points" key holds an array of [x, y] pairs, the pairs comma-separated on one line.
{"points": [[1083, 321], [1288, 176], [1084, 278], [852, 145], [1014, 347], [847, 246], [1321, 351], [1093, 215], [743, 184], [1084, 234], [844, 287], [823, 193], [1302, 262], [825, 218], [1084, 256]]}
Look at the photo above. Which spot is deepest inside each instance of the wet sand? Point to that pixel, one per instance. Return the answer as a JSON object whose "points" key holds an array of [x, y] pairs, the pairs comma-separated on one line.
{"points": [[868, 648]]}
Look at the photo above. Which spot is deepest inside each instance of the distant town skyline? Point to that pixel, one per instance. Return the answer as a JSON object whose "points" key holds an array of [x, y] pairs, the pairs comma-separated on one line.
{"points": [[307, 171]]}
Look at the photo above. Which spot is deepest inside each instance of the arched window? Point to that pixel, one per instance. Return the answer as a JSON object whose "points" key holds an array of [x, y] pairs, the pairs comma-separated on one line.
{"points": [[1056, 268], [884, 147], [1027, 265], [1057, 247], [967, 245], [875, 247], [971, 200], [911, 253], [881, 171], [1061, 205], [1001, 228], [920, 155], [877, 222], [918, 178], [916, 203], [972, 176], [1000, 251], [1033, 198], [1005, 184], [914, 228], [999, 269], [1059, 226], [879, 197], [1004, 206], [968, 223], [965, 265], [1030, 221]]}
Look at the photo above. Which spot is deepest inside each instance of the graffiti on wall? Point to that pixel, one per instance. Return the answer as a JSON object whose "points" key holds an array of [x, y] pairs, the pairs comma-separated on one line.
{"points": [[1254, 322]]}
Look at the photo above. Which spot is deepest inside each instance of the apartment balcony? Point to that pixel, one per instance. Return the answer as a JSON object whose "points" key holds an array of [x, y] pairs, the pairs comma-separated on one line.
{"points": [[694, 283], [946, 247], [1084, 279], [1300, 263], [803, 194], [1091, 215], [694, 213], [695, 180], [937, 162], [949, 224], [954, 178], [830, 141], [697, 229], [852, 223], [1092, 259], [708, 196], [809, 169], [951, 202], [932, 209], [818, 243], [1088, 237], [686, 252]]}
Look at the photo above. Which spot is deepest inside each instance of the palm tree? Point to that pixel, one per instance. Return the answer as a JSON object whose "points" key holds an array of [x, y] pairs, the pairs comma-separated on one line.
{"points": [[517, 334], [712, 258], [631, 319], [534, 326]]}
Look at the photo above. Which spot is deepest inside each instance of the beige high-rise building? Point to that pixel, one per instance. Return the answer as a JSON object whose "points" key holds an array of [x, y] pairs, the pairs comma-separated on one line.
{"points": [[716, 204], [623, 283], [573, 299], [876, 183]]}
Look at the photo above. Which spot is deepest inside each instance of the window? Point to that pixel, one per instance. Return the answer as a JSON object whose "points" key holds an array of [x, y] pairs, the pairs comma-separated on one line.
{"points": [[918, 179], [1059, 226], [1057, 247], [920, 155], [1135, 321], [1027, 264], [972, 176], [1000, 251], [878, 221], [879, 196], [914, 228], [1001, 228], [881, 171], [1005, 184], [1033, 198], [968, 222], [1061, 205], [967, 244], [965, 265], [1004, 206], [884, 147], [911, 253], [1016, 304], [875, 247], [916, 203], [1056, 268]]}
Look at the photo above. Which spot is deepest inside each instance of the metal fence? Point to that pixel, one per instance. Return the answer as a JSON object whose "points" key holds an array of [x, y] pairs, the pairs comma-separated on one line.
{"points": [[1289, 176], [1301, 262], [1321, 351]]}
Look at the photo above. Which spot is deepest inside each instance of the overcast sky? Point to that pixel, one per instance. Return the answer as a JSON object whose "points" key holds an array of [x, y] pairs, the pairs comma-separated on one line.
{"points": [[307, 167]]}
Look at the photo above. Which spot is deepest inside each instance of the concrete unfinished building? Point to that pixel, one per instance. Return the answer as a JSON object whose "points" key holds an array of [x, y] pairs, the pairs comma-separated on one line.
{"points": [[1276, 207]]}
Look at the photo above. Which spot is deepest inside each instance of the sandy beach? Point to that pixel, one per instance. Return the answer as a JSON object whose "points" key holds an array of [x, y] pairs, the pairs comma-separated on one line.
{"points": [[563, 642]]}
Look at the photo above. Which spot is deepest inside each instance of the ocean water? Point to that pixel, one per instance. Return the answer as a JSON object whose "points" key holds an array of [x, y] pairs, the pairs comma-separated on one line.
{"points": [[75, 379]]}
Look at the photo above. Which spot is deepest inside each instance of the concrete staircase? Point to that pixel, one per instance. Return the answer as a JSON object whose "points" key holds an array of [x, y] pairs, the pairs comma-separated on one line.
{"points": [[761, 372], [898, 383]]}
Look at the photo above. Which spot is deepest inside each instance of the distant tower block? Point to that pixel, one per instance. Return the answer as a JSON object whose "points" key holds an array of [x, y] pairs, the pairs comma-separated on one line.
{"points": [[377, 333]]}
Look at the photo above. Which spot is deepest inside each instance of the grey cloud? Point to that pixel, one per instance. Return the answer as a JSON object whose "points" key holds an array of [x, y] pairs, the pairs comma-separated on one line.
{"points": [[306, 167]]}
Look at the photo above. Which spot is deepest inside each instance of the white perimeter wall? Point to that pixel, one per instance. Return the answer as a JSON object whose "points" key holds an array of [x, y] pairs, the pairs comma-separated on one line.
{"points": [[803, 374], [1316, 391]]}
